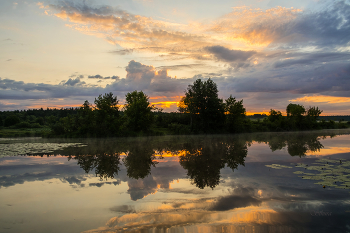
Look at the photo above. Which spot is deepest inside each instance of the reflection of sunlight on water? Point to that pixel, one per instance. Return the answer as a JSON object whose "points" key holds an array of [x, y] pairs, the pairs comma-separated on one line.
{"points": [[188, 218], [329, 151]]}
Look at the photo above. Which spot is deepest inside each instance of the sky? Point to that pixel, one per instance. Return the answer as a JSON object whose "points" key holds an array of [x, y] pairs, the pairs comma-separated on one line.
{"points": [[269, 53]]}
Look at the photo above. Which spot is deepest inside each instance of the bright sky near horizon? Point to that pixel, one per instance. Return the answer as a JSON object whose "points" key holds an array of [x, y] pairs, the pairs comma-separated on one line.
{"points": [[269, 53]]}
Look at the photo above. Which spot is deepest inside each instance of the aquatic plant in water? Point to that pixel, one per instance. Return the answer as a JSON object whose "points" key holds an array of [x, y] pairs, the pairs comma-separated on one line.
{"points": [[328, 172], [14, 149]]}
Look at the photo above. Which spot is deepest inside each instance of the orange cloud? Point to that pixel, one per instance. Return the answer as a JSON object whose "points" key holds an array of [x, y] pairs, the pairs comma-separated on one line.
{"points": [[250, 113], [191, 217], [322, 99], [330, 151], [254, 26], [132, 31], [250, 26], [165, 104]]}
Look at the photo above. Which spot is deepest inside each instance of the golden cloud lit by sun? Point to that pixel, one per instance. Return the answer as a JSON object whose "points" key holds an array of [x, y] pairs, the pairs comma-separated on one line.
{"points": [[322, 99]]}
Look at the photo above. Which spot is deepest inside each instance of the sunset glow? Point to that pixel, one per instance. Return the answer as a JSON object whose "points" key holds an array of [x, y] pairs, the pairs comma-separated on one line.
{"points": [[268, 53]]}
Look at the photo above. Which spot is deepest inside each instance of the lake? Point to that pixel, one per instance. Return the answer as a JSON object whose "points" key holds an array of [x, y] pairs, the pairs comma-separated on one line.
{"points": [[262, 182]]}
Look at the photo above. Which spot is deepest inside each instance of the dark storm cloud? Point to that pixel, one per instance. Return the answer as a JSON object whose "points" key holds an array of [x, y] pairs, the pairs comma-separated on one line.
{"points": [[228, 55]]}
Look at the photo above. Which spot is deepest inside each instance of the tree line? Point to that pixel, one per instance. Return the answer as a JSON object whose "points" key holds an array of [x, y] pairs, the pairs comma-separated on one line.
{"points": [[199, 111]]}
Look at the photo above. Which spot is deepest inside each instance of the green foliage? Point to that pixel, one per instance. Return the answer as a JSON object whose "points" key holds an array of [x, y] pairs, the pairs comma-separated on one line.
{"points": [[11, 120], [274, 115], [313, 113], [177, 128], [204, 105], [106, 114], [235, 115], [86, 119], [138, 111], [295, 114], [295, 110]]}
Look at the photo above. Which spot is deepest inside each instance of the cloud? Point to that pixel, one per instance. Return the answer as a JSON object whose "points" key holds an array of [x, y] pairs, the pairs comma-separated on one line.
{"points": [[77, 75], [123, 209], [327, 26], [100, 77], [242, 198], [228, 55], [279, 78], [123, 51], [180, 67], [303, 59], [74, 180], [125, 29], [254, 26], [73, 82], [100, 184], [322, 99], [327, 77]]}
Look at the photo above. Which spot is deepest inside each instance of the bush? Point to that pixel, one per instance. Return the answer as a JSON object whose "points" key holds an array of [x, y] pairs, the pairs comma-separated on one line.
{"points": [[11, 120], [179, 128], [23, 124]]}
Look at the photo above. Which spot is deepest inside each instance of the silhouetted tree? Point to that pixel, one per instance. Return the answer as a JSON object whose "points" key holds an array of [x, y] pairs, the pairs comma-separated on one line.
{"points": [[235, 114], [204, 105], [295, 114], [138, 111], [274, 115], [107, 114]]}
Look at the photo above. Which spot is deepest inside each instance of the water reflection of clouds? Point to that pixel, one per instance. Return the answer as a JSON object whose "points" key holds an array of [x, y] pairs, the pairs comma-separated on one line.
{"points": [[202, 215]]}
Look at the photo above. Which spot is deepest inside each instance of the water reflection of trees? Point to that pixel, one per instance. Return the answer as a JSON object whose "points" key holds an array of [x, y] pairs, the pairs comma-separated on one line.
{"points": [[102, 157], [296, 144], [201, 156], [139, 160], [204, 161], [105, 165]]}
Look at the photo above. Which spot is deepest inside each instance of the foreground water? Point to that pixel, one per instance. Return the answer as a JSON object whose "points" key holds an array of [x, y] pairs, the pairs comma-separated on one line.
{"points": [[268, 182]]}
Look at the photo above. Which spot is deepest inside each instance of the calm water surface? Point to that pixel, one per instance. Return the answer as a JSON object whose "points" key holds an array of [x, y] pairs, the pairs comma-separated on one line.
{"points": [[268, 182]]}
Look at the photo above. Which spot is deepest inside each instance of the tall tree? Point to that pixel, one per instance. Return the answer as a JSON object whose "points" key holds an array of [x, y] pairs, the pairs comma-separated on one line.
{"points": [[295, 114], [107, 114], [206, 108], [235, 114], [313, 113], [86, 119], [138, 111]]}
